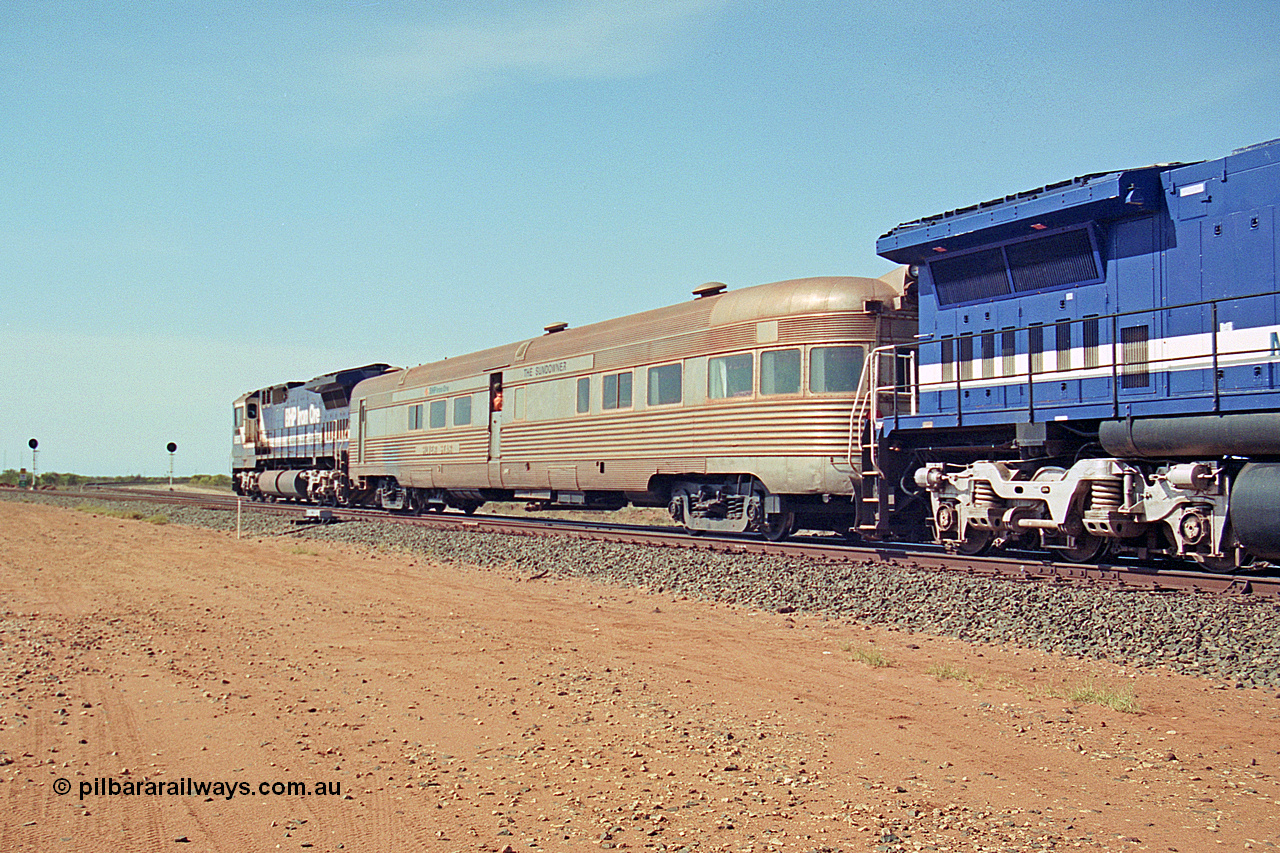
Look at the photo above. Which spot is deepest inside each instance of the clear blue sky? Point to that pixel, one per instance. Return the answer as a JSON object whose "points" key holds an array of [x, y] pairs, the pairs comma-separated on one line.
{"points": [[202, 198]]}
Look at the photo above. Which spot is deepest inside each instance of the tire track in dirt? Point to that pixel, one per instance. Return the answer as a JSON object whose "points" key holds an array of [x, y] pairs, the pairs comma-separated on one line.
{"points": [[139, 818]]}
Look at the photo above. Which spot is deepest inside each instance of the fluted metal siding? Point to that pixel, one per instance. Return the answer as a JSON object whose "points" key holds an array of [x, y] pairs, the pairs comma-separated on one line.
{"points": [[633, 446], [637, 445], [798, 436], [402, 455], [821, 329], [798, 427]]}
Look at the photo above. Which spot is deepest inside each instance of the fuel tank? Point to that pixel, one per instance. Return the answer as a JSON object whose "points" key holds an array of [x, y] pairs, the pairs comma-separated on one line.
{"points": [[1255, 508], [283, 484], [1244, 434]]}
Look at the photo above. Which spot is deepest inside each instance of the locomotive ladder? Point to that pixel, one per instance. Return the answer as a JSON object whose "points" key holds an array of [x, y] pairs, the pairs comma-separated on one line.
{"points": [[874, 403]]}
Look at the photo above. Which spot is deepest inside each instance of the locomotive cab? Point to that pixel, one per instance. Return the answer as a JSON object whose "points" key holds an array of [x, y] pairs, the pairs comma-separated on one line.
{"points": [[245, 435], [247, 422]]}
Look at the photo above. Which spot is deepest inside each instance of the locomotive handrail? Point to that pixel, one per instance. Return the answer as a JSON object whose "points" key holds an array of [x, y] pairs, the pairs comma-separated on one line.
{"points": [[866, 409], [1119, 314], [861, 406], [1147, 367]]}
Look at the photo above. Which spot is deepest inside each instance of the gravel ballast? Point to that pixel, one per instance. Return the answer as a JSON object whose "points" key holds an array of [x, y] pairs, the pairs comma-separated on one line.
{"points": [[1233, 638]]}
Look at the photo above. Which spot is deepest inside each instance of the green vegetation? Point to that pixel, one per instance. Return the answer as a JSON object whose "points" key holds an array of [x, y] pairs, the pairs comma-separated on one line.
{"points": [[98, 509], [1091, 693], [945, 672], [871, 657], [216, 481], [49, 478]]}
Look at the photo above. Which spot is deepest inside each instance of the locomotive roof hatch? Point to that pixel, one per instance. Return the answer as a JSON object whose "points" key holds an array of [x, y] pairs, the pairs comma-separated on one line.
{"points": [[332, 386]]}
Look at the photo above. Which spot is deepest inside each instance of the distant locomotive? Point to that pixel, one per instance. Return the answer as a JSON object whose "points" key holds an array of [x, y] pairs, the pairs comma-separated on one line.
{"points": [[731, 410], [1097, 367], [290, 441], [1092, 369]]}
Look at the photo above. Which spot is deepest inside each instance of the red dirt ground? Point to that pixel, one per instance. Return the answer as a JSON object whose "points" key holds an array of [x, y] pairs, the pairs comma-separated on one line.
{"points": [[460, 709]]}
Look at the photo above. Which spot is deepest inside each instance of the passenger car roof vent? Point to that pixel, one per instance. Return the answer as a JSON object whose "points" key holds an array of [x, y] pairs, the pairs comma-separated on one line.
{"points": [[711, 288], [552, 328]]}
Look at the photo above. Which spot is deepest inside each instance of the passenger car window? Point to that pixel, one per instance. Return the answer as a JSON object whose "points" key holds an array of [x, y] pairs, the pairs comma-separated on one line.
{"points": [[584, 395], [665, 386], [780, 371], [835, 370], [617, 391], [729, 376], [415, 417], [437, 414], [462, 411]]}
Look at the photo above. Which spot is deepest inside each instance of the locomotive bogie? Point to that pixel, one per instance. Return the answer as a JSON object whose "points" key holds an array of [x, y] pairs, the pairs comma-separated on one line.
{"points": [[1178, 510]]}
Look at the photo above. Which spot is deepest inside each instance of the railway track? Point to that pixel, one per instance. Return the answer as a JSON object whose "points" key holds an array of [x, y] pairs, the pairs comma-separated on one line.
{"points": [[1027, 567]]}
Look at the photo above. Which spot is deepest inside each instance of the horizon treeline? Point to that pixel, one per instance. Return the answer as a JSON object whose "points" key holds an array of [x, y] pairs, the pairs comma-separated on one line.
{"points": [[53, 478]]}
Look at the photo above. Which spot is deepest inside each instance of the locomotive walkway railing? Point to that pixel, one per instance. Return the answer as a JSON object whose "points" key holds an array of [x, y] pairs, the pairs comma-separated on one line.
{"points": [[1187, 350]]}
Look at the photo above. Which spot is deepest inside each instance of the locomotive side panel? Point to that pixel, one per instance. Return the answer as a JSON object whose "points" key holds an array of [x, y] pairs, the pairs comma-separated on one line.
{"points": [[1113, 339], [1129, 291]]}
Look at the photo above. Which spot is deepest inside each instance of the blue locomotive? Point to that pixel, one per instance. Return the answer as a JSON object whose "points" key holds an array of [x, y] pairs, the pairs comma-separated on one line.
{"points": [[291, 440], [1096, 370]]}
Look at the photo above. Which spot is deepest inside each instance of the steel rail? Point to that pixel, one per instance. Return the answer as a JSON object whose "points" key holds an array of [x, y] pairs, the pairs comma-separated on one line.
{"points": [[1025, 567]]}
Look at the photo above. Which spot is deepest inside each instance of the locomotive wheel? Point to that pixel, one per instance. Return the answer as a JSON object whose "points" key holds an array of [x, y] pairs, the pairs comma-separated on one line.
{"points": [[1223, 565], [1087, 549], [780, 526], [975, 544]]}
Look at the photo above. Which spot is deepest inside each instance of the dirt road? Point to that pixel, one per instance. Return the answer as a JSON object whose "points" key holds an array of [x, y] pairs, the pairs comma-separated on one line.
{"points": [[176, 681]]}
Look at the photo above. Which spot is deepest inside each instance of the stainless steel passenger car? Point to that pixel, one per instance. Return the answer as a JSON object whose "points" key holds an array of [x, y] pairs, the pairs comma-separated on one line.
{"points": [[733, 410]]}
